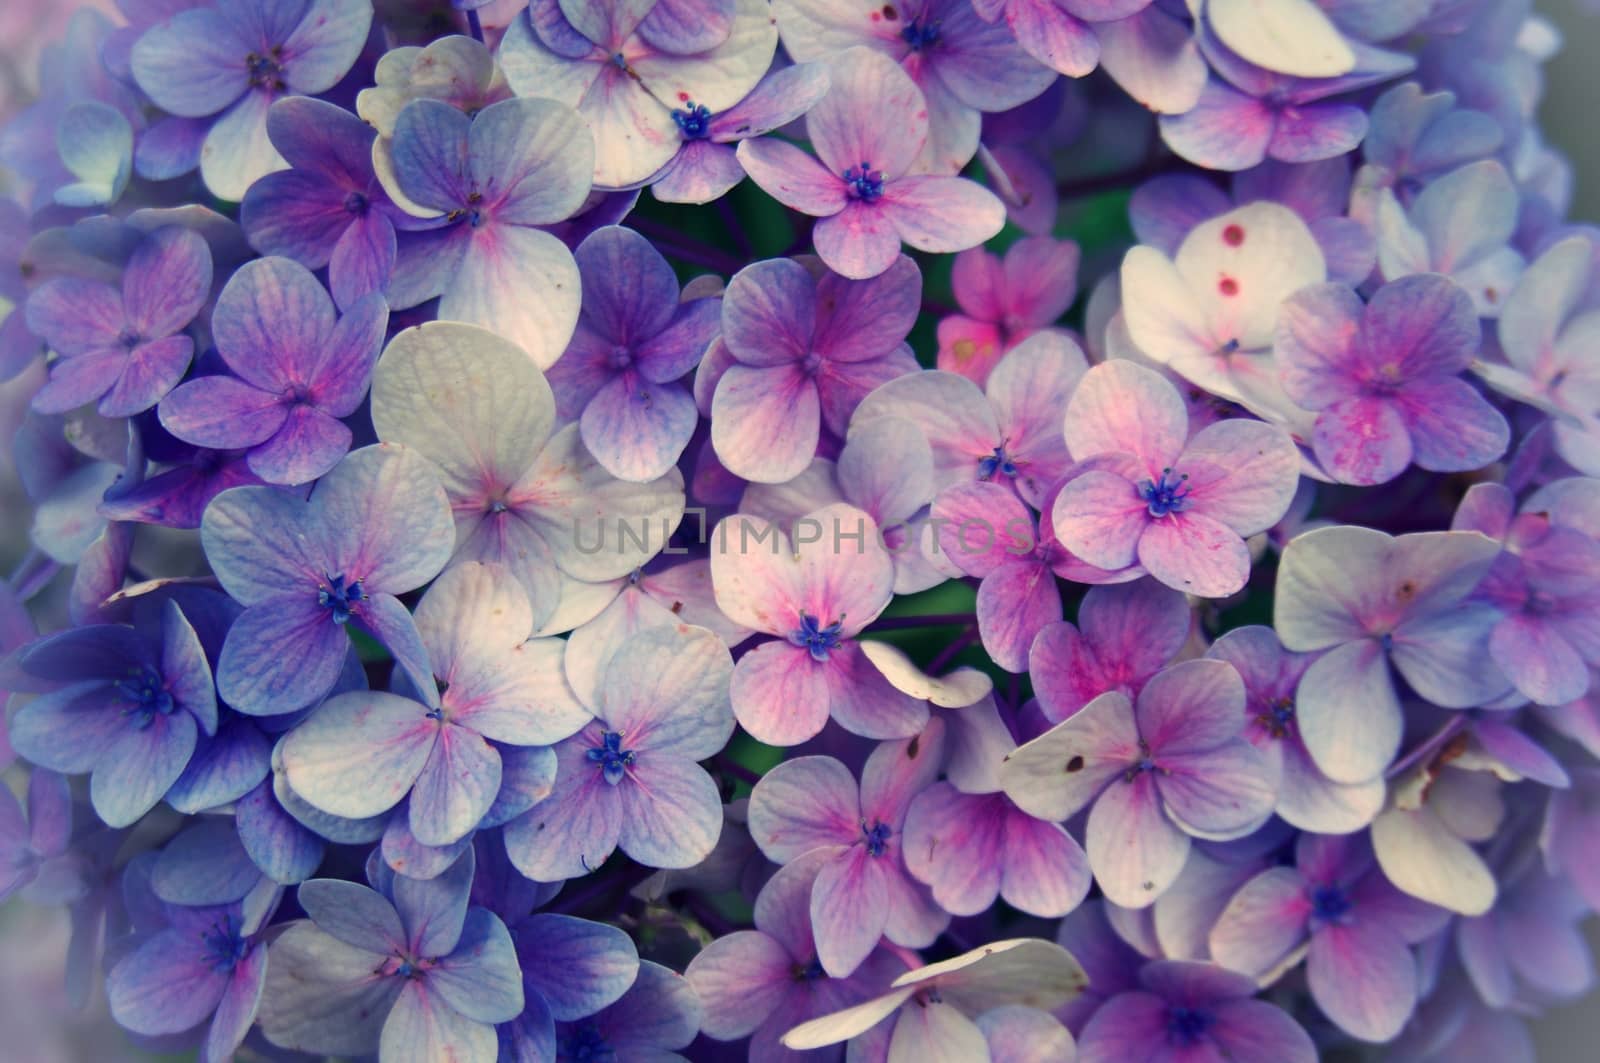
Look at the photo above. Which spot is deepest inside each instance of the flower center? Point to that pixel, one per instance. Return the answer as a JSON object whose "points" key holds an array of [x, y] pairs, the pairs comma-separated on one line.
{"points": [[920, 34], [864, 183], [1277, 716], [998, 462], [814, 638], [129, 339], [1330, 904], [1186, 1026], [614, 761], [1170, 494], [620, 357], [693, 121], [340, 598], [809, 972], [877, 836], [224, 945], [355, 203], [585, 1045], [266, 71], [146, 696]]}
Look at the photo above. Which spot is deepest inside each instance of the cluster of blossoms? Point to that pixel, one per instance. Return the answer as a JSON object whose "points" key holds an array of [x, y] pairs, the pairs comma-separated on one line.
{"points": [[499, 585]]}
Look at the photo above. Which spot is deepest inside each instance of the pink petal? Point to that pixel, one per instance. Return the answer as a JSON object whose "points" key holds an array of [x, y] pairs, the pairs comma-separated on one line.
{"points": [[942, 214], [1195, 554], [765, 423], [859, 241], [873, 115], [1101, 517], [780, 695], [849, 908], [1122, 407], [1135, 850], [1363, 440], [804, 804], [792, 177]]}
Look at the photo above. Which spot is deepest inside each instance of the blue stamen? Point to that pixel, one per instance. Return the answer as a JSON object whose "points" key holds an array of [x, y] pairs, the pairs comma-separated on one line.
{"points": [[614, 761], [224, 945], [865, 183], [355, 203], [693, 121], [585, 1045], [996, 462], [809, 973], [266, 71], [810, 635], [1186, 1026], [1166, 495], [341, 599], [877, 836], [147, 697], [1277, 717], [920, 34], [1330, 904]]}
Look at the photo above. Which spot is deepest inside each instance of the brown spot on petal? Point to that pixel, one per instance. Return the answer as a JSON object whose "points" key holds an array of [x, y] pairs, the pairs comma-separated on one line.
{"points": [[913, 748], [890, 13], [1075, 764]]}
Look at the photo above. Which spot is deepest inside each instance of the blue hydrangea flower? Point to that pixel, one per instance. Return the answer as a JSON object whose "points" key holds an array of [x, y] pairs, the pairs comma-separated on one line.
{"points": [[128, 707]]}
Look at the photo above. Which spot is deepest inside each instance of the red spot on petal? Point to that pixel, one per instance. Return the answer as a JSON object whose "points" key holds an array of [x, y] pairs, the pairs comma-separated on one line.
{"points": [[877, 17], [1228, 286], [1233, 235], [683, 96]]}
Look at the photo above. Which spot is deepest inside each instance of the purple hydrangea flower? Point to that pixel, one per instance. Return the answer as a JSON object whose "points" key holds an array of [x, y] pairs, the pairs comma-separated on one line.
{"points": [[761, 983], [376, 526], [659, 1014], [234, 59], [1004, 301], [361, 753], [297, 367], [1359, 929], [707, 166], [30, 840], [1307, 798], [1007, 433], [207, 963], [805, 351], [1179, 507], [630, 778], [1385, 379], [1060, 33], [960, 63], [1544, 583], [1124, 635], [1374, 601], [122, 349], [1460, 225], [970, 843], [1414, 137], [494, 177], [129, 707], [633, 67], [1186, 1010], [328, 210], [815, 594], [864, 890], [868, 131], [622, 375], [1156, 771], [539, 504], [409, 971]]}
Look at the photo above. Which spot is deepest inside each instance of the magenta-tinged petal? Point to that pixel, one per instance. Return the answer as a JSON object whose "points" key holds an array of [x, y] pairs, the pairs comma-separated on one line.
{"points": [[780, 695], [765, 423], [860, 241], [792, 177], [490, 287], [741, 978], [984, 528], [76, 316], [671, 812], [1225, 130], [167, 281], [852, 125], [363, 259], [79, 380], [151, 371], [1363, 978], [1046, 871], [954, 843], [223, 413], [1193, 706], [1363, 440], [804, 804], [165, 986], [1061, 772], [866, 319], [1259, 1032], [636, 429], [1135, 850], [1053, 37], [573, 831], [1539, 662], [849, 908], [863, 701], [1126, 1027], [1195, 554], [1102, 519], [942, 214], [1453, 427], [305, 446], [1263, 923], [236, 1011], [454, 788], [1015, 603], [1219, 791], [769, 313], [703, 171], [421, 1026], [1320, 131], [1121, 406], [1242, 473], [358, 754], [272, 322]]}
